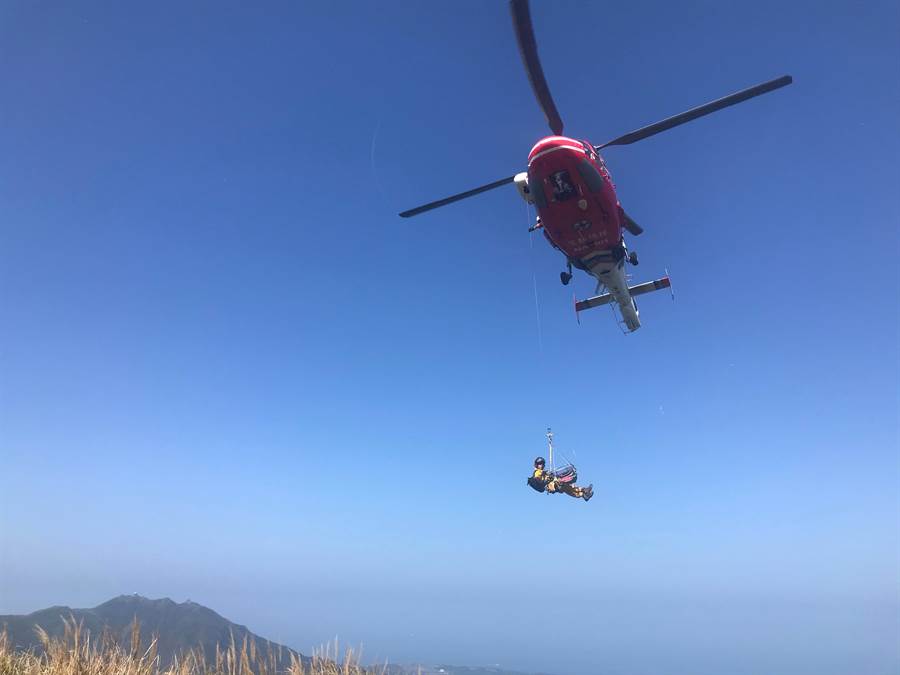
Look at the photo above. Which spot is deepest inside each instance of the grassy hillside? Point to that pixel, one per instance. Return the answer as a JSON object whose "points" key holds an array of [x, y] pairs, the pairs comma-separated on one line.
{"points": [[133, 635], [176, 627], [79, 652]]}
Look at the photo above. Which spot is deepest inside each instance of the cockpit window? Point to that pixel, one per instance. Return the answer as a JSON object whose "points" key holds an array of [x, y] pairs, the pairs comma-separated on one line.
{"points": [[536, 188], [590, 175]]}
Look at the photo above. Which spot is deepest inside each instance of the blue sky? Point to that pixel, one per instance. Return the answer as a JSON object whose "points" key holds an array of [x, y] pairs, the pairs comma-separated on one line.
{"points": [[229, 372]]}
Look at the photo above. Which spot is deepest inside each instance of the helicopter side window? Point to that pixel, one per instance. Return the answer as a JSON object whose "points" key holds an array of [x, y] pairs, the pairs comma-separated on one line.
{"points": [[591, 176], [536, 188]]}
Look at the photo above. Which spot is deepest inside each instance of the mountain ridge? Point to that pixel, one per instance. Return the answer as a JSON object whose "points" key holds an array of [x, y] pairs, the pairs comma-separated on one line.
{"points": [[179, 627]]}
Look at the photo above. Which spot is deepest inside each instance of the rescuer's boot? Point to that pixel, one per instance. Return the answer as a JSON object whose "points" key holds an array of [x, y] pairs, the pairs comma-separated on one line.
{"points": [[588, 492]]}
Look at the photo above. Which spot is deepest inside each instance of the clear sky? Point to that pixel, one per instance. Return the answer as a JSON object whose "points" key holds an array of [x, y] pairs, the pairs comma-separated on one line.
{"points": [[229, 372]]}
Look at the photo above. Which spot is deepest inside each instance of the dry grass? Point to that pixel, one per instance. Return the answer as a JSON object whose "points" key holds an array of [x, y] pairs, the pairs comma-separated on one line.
{"points": [[79, 653]]}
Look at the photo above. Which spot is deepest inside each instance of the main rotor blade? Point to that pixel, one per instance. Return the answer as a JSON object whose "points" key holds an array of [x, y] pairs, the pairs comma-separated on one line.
{"points": [[455, 198], [521, 17], [700, 111]]}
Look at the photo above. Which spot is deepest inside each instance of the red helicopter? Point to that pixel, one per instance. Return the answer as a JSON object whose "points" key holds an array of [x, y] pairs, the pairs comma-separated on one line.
{"points": [[569, 184]]}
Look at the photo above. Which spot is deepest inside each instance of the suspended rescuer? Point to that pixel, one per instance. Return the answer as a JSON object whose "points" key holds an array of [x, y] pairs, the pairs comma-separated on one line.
{"points": [[546, 481]]}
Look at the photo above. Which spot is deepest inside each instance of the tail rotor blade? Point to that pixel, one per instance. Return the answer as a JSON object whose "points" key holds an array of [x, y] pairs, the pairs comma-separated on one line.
{"points": [[694, 113], [521, 17], [455, 198]]}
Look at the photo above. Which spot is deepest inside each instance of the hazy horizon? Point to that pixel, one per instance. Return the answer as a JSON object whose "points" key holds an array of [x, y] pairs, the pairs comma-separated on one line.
{"points": [[229, 372], [618, 642]]}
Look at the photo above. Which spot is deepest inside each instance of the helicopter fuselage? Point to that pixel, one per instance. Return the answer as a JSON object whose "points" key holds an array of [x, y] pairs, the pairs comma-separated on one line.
{"points": [[575, 199], [580, 215]]}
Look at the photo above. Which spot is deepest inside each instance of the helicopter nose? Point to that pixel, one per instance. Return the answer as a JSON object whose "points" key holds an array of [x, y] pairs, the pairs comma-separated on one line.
{"points": [[554, 144]]}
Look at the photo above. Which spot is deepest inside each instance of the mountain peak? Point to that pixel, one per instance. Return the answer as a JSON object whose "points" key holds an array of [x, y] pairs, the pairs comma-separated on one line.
{"points": [[135, 599], [178, 627]]}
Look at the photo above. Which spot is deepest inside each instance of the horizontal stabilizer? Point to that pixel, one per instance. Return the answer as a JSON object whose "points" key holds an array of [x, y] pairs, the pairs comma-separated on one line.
{"points": [[596, 301], [606, 298]]}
